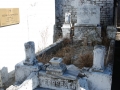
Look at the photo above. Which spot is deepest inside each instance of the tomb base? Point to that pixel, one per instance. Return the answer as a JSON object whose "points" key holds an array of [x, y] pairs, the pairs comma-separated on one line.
{"points": [[93, 33]]}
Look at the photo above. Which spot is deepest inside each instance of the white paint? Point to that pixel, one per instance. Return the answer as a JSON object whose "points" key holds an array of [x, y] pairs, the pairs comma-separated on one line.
{"points": [[88, 14], [37, 18], [99, 56]]}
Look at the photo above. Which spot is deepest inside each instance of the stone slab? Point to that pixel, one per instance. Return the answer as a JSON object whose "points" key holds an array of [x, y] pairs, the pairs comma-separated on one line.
{"points": [[92, 33], [64, 82], [88, 14]]}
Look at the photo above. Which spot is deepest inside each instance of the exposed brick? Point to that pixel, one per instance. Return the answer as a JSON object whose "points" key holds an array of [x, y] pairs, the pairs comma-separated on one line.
{"points": [[106, 7]]}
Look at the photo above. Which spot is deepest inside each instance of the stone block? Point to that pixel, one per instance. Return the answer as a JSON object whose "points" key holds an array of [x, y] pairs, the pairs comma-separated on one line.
{"points": [[92, 33], [66, 30], [30, 53], [111, 32], [58, 82], [23, 71], [56, 67]]}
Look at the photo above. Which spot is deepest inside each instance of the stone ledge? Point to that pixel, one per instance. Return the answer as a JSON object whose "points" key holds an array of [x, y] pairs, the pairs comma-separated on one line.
{"points": [[51, 49]]}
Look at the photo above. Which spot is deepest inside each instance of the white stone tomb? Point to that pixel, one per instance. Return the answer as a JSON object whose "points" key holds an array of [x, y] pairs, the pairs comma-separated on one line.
{"points": [[99, 56], [88, 15]]}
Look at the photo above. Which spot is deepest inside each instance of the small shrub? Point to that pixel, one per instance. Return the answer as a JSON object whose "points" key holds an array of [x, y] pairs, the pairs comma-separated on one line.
{"points": [[66, 53], [67, 59], [66, 41], [86, 60], [44, 58]]}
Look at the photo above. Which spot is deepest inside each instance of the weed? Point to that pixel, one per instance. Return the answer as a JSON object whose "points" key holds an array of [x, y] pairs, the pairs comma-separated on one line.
{"points": [[85, 60], [44, 58]]}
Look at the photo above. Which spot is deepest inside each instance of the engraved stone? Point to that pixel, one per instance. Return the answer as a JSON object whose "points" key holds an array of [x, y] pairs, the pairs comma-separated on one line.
{"points": [[57, 83], [88, 14]]}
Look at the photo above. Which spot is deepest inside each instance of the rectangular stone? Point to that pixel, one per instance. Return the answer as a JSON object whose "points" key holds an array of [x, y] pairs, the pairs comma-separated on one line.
{"points": [[57, 82], [92, 33], [88, 14]]}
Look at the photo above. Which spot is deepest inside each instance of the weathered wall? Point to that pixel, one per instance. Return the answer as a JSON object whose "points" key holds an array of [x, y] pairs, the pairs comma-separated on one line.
{"points": [[37, 19], [62, 6]]}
